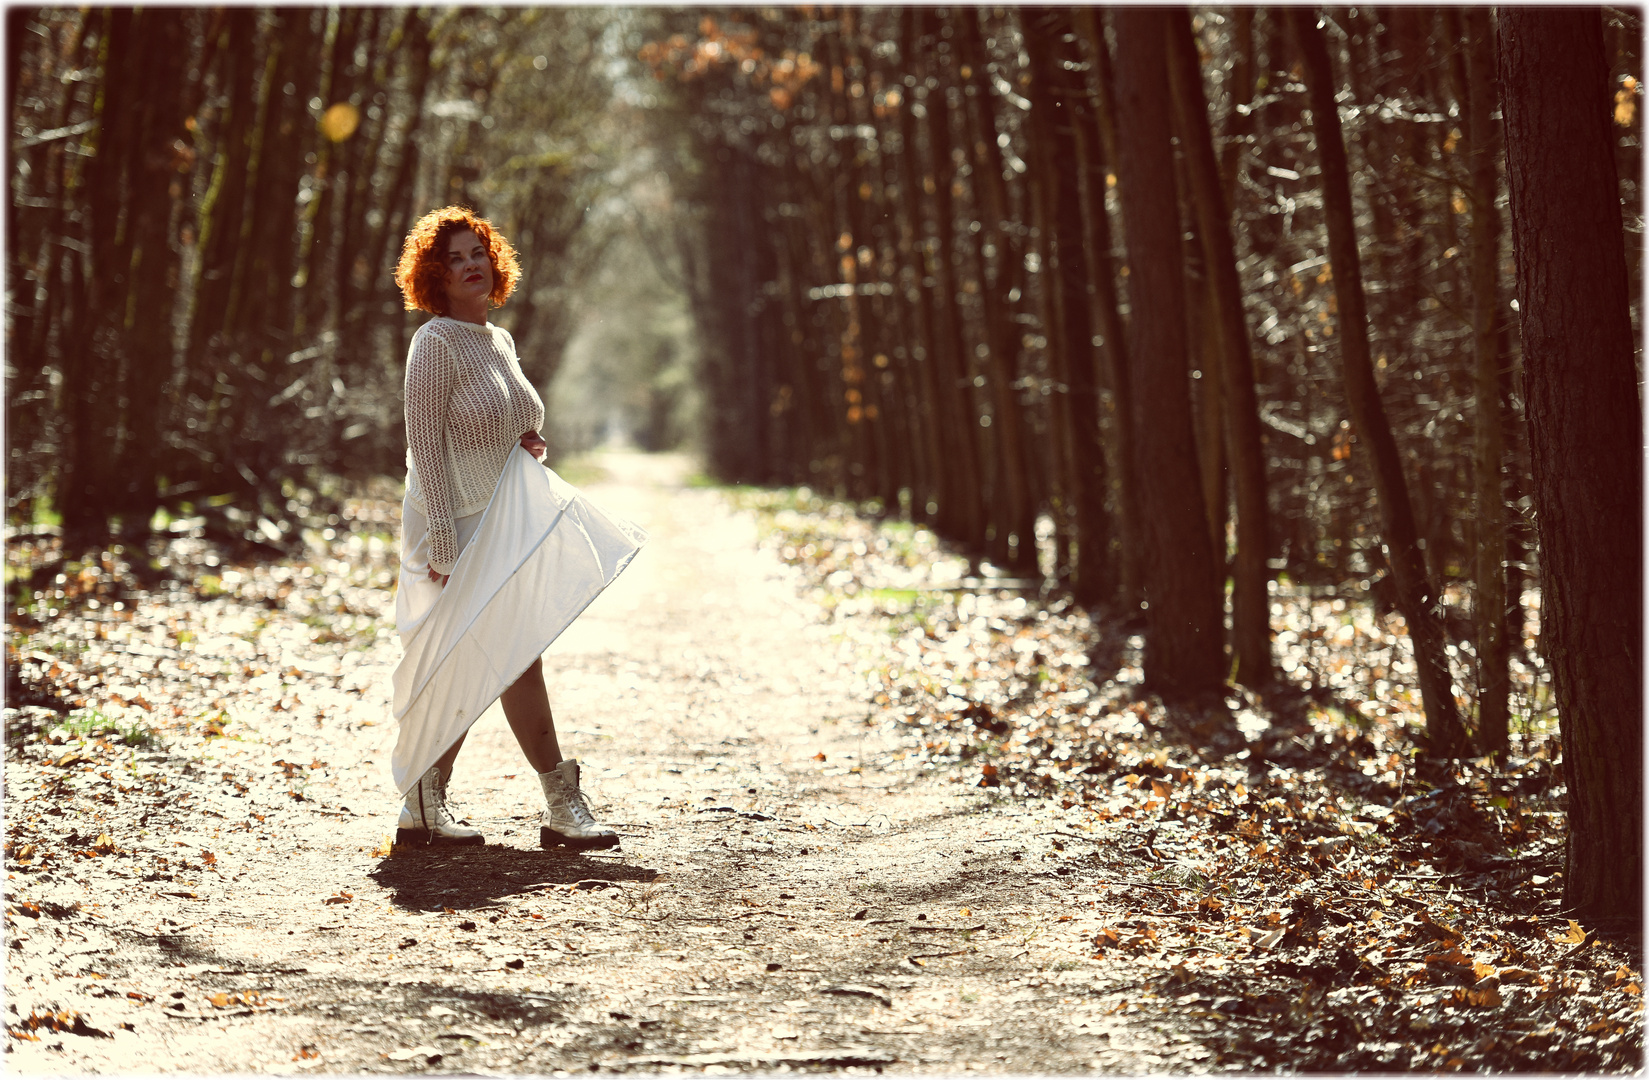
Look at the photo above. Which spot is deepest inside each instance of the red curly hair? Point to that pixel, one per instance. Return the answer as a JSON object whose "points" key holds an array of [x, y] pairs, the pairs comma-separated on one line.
{"points": [[422, 271]]}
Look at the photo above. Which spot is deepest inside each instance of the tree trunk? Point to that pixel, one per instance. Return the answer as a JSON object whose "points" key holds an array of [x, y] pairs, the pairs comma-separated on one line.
{"points": [[930, 497], [1056, 101], [1184, 644], [223, 210], [1493, 651], [1585, 435], [157, 180], [1016, 514], [93, 358], [1245, 444], [1415, 596], [966, 515], [1113, 329]]}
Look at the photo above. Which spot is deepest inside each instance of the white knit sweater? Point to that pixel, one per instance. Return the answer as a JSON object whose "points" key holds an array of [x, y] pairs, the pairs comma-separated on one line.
{"points": [[467, 406]]}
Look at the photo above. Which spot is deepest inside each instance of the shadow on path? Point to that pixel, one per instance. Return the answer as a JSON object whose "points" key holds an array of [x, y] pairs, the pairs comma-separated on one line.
{"points": [[433, 879]]}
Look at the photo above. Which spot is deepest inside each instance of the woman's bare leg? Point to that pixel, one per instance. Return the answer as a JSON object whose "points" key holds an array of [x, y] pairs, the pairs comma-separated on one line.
{"points": [[444, 762], [527, 707]]}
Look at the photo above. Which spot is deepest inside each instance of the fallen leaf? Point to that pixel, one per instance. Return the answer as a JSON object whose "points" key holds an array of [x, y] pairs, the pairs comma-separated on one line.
{"points": [[1270, 939], [820, 756], [1486, 998], [1160, 789], [342, 897], [1574, 937]]}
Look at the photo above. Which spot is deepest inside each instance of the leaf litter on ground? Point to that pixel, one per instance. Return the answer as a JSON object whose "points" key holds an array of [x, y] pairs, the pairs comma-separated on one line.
{"points": [[1278, 876], [1285, 864]]}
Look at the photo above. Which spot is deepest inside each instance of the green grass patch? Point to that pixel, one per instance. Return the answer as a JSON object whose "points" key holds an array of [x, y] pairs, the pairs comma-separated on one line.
{"points": [[95, 724]]}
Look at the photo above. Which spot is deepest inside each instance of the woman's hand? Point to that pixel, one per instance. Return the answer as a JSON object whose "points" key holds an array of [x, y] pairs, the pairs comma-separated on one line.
{"points": [[533, 443], [439, 579]]}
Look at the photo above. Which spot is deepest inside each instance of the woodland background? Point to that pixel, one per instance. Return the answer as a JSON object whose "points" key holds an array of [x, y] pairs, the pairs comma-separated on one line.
{"points": [[1181, 314]]}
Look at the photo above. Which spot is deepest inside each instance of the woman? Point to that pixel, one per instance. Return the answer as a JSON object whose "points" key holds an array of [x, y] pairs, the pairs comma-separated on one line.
{"points": [[474, 626]]}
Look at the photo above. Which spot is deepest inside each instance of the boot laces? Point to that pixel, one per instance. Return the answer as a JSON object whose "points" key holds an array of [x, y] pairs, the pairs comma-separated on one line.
{"points": [[579, 809], [433, 811], [445, 807]]}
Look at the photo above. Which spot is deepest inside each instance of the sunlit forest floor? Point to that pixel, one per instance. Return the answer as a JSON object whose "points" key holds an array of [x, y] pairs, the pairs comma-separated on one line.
{"points": [[876, 816]]}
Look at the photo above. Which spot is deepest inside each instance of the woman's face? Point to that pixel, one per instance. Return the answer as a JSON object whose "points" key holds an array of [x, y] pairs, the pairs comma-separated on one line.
{"points": [[469, 271]]}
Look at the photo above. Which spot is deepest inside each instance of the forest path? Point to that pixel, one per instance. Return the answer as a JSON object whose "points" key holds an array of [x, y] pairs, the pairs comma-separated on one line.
{"points": [[790, 893]]}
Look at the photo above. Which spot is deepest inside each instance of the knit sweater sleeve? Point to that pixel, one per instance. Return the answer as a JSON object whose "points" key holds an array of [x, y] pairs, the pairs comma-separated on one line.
{"points": [[431, 373]]}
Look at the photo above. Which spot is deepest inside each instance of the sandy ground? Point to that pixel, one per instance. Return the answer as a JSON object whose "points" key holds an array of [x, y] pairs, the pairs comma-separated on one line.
{"points": [[792, 890]]}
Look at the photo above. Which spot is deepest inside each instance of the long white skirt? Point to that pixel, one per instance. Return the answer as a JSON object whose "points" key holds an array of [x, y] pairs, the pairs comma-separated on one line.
{"points": [[529, 565]]}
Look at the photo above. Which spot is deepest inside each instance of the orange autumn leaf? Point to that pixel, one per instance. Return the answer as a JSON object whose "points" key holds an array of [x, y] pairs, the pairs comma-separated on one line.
{"points": [[1574, 937]]}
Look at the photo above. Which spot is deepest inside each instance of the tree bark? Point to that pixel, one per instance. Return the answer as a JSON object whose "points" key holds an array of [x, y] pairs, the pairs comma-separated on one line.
{"points": [[1416, 598], [966, 515], [1056, 101], [1245, 444], [1113, 328], [157, 180], [1184, 644], [1493, 651], [223, 210], [1016, 513], [1585, 434], [935, 491], [93, 359]]}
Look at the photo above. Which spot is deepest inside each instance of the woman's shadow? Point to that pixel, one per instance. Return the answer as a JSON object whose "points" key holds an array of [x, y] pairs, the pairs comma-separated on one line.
{"points": [[433, 878]]}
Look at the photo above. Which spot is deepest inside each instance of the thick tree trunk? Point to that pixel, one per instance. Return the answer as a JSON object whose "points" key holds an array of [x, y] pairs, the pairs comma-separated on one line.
{"points": [[1585, 435], [157, 180], [1245, 444], [1184, 644], [1207, 402], [1416, 598], [1493, 652], [93, 356]]}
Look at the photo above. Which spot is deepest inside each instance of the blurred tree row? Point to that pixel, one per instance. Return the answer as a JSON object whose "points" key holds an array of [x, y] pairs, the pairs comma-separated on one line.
{"points": [[206, 205], [1208, 297]]}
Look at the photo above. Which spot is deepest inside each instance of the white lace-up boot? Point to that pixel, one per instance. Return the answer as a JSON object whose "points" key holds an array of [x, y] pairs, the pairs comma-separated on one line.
{"points": [[426, 819], [567, 821]]}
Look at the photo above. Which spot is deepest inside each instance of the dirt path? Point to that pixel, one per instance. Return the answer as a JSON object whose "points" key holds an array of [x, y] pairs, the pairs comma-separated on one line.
{"points": [[789, 893]]}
